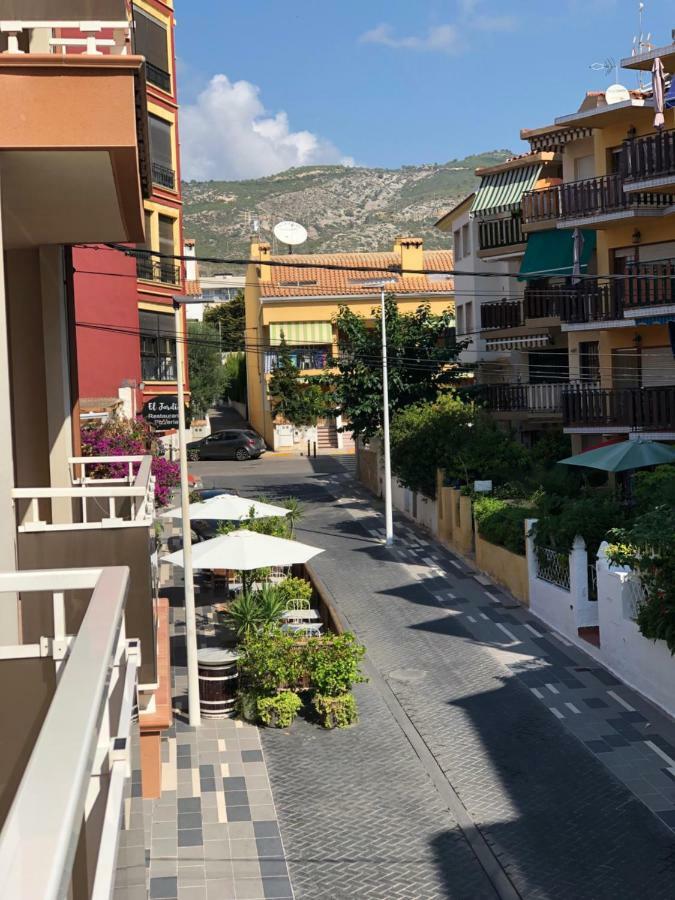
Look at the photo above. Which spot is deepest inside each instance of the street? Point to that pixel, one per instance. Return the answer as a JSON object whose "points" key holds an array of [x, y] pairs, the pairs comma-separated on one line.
{"points": [[458, 781]]}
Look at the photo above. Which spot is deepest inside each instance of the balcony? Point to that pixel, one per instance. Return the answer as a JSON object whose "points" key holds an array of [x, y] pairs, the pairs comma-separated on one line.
{"points": [[646, 409], [304, 358], [649, 162], [589, 301], [501, 314], [158, 77], [500, 234], [524, 398], [68, 744], [648, 284], [163, 176], [602, 198], [63, 36], [99, 520], [148, 268]]}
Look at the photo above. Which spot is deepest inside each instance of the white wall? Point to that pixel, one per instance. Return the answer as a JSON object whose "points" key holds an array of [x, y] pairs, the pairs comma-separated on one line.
{"points": [[424, 511]]}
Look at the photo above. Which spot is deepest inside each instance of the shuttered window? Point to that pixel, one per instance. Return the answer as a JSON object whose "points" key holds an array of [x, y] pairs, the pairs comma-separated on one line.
{"points": [[160, 141], [151, 40]]}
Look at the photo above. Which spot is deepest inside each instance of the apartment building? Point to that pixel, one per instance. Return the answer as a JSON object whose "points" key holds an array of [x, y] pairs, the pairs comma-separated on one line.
{"points": [[301, 304], [519, 354], [618, 184], [123, 304], [220, 287], [83, 638]]}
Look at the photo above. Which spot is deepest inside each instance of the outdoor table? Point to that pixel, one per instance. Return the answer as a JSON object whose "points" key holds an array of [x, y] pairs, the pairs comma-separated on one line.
{"points": [[218, 682], [301, 615], [311, 628]]}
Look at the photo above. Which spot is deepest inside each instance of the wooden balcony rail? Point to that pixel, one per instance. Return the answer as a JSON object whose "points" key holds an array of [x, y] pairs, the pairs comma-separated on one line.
{"points": [[531, 398], [589, 301], [648, 408], [648, 284], [66, 36], [501, 314], [651, 156], [124, 500], [589, 197], [496, 233], [70, 797]]}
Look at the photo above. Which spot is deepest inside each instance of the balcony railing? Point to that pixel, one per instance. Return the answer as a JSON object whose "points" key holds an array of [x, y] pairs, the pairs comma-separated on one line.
{"points": [[648, 284], [67, 36], [151, 269], [647, 408], [589, 301], [162, 368], [501, 314], [163, 176], [69, 800], [305, 358], [530, 398], [651, 156], [590, 197], [123, 498], [494, 234], [158, 77]]}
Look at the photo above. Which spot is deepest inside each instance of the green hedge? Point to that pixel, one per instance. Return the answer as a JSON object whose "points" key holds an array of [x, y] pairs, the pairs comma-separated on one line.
{"points": [[502, 523]]}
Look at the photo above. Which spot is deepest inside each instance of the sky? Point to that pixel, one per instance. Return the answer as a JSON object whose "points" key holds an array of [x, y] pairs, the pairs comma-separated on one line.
{"points": [[270, 84]]}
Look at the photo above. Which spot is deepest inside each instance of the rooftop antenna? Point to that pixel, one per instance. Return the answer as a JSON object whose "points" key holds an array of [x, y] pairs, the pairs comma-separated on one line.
{"points": [[641, 43], [615, 93]]}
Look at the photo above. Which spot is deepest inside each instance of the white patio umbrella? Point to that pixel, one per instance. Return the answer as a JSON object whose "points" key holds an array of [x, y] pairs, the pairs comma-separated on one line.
{"points": [[245, 550], [659, 90], [577, 250], [228, 508]]}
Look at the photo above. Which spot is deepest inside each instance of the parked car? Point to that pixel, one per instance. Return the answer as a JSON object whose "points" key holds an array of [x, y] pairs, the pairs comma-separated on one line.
{"points": [[233, 443]]}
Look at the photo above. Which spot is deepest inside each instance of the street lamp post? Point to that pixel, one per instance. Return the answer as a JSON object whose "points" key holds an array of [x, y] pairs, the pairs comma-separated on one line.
{"points": [[388, 511], [188, 575]]}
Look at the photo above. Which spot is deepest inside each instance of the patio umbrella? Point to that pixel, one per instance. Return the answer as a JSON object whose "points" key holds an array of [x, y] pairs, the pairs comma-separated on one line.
{"points": [[245, 550], [577, 250], [623, 456], [658, 89], [228, 508]]}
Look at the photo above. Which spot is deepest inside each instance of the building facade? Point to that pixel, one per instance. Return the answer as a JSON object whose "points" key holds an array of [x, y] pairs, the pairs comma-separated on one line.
{"points": [[221, 287], [301, 304], [135, 359]]}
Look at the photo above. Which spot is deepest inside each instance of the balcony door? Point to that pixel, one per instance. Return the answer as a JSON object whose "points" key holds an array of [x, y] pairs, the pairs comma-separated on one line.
{"points": [[626, 368]]}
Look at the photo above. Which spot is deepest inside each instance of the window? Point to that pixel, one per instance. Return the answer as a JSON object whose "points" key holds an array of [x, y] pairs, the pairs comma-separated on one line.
{"points": [[589, 361], [457, 243], [161, 153], [169, 271], [548, 366], [158, 346], [459, 312], [468, 317], [151, 40], [466, 240]]}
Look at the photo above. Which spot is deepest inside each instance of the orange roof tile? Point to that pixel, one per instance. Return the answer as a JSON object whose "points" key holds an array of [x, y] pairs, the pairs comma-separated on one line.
{"points": [[315, 282]]}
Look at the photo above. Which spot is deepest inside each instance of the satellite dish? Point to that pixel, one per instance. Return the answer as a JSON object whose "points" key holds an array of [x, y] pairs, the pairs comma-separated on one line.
{"points": [[616, 93], [290, 233]]}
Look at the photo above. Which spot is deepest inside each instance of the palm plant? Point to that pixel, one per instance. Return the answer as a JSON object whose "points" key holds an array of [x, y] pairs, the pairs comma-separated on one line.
{"points": [[271, 604], [294, 515], [245, 614]]}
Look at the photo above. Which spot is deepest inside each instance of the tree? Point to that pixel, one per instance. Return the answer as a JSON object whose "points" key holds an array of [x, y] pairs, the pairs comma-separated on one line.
{"points": [[294, 398], [229, 320], [205, 366], [420, 354], [234, 377]]}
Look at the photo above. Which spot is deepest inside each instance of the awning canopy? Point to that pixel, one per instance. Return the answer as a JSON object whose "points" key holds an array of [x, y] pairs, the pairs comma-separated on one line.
{"points": [[551, 253], [524, 342], [503, 191], [301, 333]]}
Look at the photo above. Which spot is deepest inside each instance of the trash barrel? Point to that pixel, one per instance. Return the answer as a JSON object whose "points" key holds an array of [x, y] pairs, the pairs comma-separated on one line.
{"points": [[218, 682]]}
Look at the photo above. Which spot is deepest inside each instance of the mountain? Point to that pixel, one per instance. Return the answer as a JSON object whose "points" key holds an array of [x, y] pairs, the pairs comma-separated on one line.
{"points": [[342, 208]]}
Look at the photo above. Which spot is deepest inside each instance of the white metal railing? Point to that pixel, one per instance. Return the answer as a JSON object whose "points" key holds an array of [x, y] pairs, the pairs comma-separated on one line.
{"points": [[45, 36], [544, 397], [72, 786], [127, 499], [553, 566]]}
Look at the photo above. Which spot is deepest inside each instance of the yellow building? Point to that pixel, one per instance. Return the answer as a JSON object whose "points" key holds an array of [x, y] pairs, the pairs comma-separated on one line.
{"points": [[618, 179], [303, 302]]}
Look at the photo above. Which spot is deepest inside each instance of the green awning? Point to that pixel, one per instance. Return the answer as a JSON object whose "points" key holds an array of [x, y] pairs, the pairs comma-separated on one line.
{"points": [[503, 191], [551, 253], [301, 333]]}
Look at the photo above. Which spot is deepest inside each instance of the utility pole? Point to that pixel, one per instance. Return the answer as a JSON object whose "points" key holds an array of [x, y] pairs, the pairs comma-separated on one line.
{"points": [[388, 512]]}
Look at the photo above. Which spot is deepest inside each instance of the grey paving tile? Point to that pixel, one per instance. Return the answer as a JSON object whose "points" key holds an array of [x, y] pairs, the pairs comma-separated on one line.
{"points": [[244, 849], [189, 820], [277, 888], [249, 889], [220, 889], [273, 867], [270, 847], [218, 868], [163, 888], [164, 830], [238, 814], [193, 892], [245, 868], [236, 798], [164, 848], [240, 830], [192, 804], [190, 837], [269, 829]]}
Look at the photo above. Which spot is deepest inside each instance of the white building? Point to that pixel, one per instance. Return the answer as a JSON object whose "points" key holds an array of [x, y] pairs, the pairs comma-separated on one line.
{"points": [[218, 288]]}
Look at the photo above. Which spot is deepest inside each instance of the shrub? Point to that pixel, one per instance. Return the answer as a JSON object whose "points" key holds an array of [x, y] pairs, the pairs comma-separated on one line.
{"points": [[280, 710], [550, 448], [248, 705], [502, 523], [292, 588], [336, 712], [244, 613], [271, 604], [561, 519], [333, 663], [272, 662]]}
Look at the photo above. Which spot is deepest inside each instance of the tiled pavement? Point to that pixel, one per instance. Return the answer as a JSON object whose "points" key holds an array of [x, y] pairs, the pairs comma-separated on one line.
{"points": [[547, 753]]}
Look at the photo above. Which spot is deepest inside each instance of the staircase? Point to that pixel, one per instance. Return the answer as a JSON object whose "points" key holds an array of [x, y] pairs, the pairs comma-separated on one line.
{"points": [[327, 438]]}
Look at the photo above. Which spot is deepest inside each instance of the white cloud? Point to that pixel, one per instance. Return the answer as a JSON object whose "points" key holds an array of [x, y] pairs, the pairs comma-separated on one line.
{"points": [[228, 134], [447, 38], [441, 38]]}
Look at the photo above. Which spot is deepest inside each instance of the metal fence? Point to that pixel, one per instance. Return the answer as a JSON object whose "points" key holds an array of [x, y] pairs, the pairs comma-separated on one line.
{"points": [[592, 581], [553, 566], [636, 595]]}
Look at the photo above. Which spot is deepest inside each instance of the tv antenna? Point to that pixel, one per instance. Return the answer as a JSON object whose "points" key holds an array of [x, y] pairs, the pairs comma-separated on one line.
{"points": [[642, 43]]}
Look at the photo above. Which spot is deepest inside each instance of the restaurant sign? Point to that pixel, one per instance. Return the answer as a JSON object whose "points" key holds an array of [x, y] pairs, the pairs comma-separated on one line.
{"points": [[162, 412]]}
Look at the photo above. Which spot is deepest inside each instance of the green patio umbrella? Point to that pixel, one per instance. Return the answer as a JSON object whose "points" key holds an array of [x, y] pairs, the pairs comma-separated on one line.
{"points": [[624, 456]]}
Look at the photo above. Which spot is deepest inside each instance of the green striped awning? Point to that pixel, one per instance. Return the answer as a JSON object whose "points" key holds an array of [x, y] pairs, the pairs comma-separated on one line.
{"points": [[503, 191], [301, 333]]}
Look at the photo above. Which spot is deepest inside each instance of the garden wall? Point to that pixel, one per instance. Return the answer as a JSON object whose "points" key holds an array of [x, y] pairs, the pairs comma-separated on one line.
{"points": [[454, 518], [368, 467], [416, 506], [506, 568]]}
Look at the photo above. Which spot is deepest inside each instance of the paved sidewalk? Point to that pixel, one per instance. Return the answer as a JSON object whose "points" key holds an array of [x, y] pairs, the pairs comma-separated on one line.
{"points": [[478, 683]]}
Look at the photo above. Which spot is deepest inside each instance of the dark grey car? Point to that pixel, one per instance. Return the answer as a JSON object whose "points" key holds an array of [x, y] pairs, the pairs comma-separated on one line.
{"points": [[229, 444]]}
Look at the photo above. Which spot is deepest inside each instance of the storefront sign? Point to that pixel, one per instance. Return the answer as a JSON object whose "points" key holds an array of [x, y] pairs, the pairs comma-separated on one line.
{"points": [[162, 412]]}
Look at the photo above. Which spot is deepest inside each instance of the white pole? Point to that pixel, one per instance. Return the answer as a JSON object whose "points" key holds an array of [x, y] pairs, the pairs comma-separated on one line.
{"points": [[388, 514], [190, 616]]}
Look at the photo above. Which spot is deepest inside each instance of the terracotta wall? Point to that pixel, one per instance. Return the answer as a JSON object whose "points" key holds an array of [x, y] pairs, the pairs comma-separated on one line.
{"points": [[506, 568]]}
